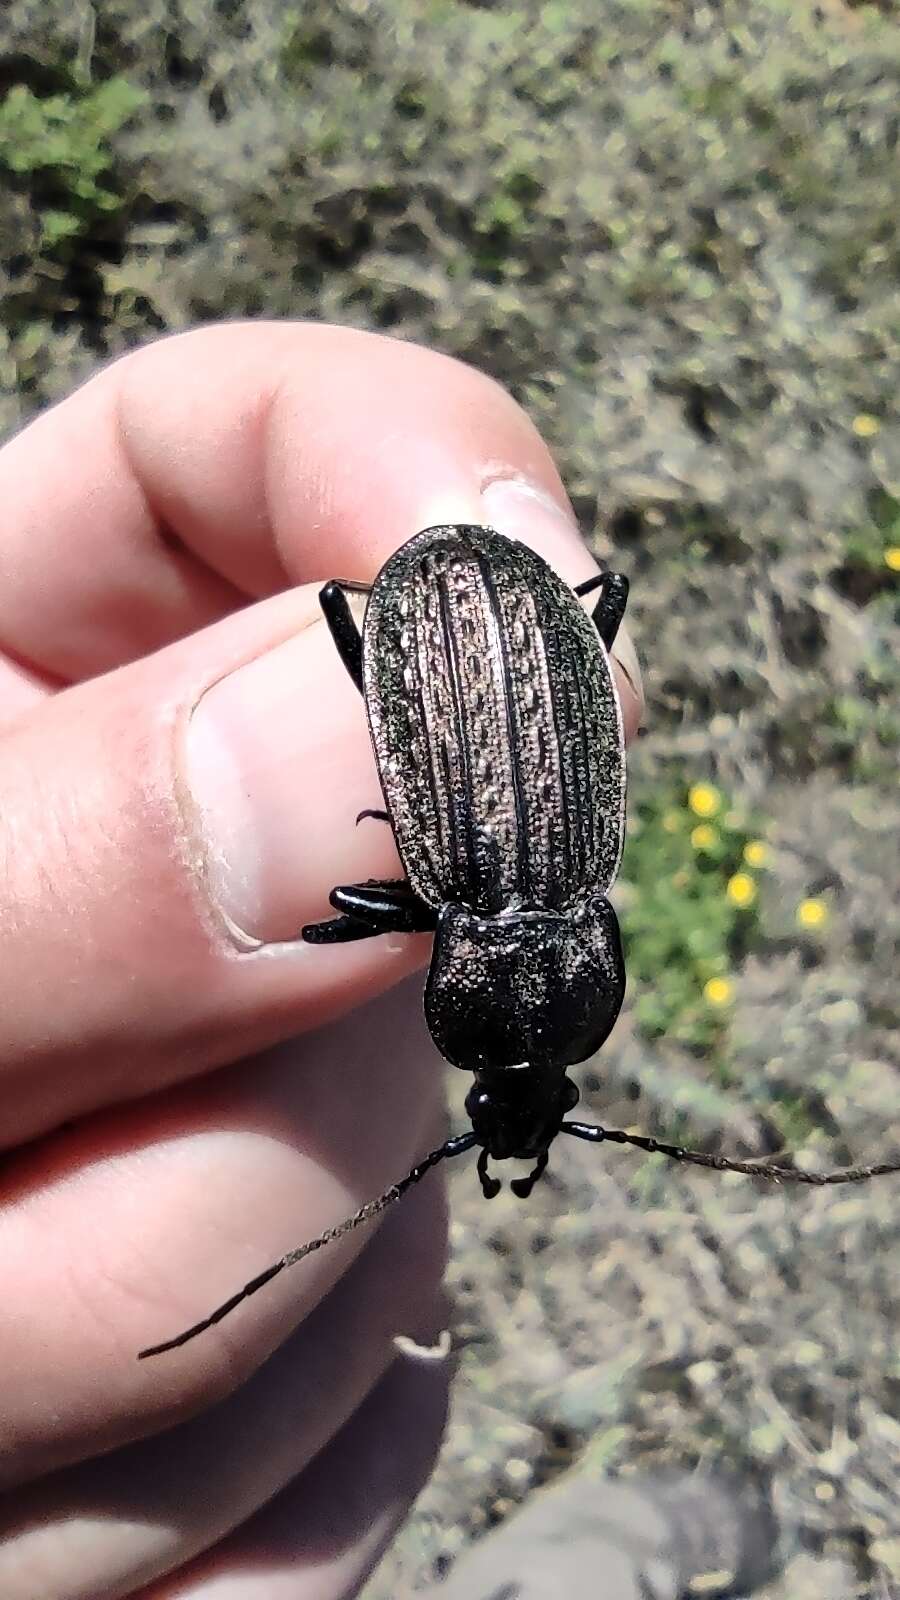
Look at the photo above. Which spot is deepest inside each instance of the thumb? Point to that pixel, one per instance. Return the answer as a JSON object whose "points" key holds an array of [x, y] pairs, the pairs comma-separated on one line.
{"points": [[168, 828]]}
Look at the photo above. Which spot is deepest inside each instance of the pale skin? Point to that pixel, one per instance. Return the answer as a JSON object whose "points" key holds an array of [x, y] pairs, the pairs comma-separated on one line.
{"points": [[181, 761]]}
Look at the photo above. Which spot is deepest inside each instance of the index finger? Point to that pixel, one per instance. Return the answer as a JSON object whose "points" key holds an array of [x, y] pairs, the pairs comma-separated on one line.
{"points": [[228, 463]]}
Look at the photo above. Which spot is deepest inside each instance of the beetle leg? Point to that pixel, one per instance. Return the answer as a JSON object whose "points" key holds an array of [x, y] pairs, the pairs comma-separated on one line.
{"points": [[338, 930], [590, 584], [390, 902], [379, 816], [489, 1186], [523, 1186], [388, 906], [343, 625], [610, 608]]}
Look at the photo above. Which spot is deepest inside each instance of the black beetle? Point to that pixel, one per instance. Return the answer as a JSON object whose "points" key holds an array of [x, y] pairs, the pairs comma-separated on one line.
{"points": [[498, 736], [499, 742]]}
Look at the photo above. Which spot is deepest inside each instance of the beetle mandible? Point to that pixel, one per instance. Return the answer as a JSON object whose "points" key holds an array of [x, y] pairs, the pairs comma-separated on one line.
{"points": [[497, 732]]}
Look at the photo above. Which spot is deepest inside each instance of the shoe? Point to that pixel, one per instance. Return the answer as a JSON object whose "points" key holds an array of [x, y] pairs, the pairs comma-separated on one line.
{"points": [[657, 1538]]}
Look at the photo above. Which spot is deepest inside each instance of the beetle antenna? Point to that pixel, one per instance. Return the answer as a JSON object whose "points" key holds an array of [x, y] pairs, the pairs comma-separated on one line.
{"points": [[752, 1169], [456, 1146]]}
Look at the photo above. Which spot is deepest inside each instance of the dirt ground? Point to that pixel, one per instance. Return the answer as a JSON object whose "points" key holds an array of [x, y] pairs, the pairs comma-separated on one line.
{"points": [[629, 1318]]}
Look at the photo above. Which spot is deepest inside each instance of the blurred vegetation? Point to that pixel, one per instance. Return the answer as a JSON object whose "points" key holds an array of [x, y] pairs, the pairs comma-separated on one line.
{"points": [[689, 912], [57, 147], [670, 228]]}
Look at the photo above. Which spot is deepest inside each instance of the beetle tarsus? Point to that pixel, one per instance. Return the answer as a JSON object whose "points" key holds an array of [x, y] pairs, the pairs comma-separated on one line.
{"points": [[379, 816]]}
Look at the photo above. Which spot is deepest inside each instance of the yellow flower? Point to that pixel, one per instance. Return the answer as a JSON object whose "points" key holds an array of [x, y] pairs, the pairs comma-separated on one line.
{"points": [[865, 426], [704, 800], [812, 913], [741, 890], [756, 854], [718, 991], [703, 837], [892, 557]]}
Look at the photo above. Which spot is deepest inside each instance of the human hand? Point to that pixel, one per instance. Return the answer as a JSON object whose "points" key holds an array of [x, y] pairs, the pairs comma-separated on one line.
{"points": [[182, 758]]}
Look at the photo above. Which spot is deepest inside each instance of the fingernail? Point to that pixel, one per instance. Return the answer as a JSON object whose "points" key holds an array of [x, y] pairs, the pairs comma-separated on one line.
{"points": [[522, 510], [277, 764]]}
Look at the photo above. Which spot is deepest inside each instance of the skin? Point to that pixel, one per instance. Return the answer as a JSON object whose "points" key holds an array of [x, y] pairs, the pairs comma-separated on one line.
{"points": [[181, 762]]}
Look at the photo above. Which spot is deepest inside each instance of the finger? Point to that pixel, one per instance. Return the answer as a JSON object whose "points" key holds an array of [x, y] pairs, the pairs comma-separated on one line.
{"points": [[149, 915], [121, 1231], [137, 1513], [324, 1534], [232, 461]]}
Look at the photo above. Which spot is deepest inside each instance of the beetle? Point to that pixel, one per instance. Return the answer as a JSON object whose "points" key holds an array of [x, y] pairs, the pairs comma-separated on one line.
{"points": [[497, 731]]}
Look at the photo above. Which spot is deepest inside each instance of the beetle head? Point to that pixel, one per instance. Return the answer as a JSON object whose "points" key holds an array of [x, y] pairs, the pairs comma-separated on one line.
{"points": [[524, 987], [519, 1113]]}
